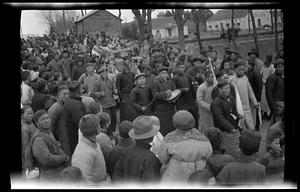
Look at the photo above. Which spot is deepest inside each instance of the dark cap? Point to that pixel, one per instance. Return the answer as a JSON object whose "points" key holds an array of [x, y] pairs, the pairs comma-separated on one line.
{"points": [[125, 127], [163, 68], [249, 142]]}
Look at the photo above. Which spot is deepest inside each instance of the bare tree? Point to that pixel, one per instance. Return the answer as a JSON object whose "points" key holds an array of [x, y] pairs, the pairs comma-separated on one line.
{"points": [[196, 20], [232, 31], [58, 21], [180, 21], [276, 31], [254, 30], [149, 21], [272, 22], [140, 18]]}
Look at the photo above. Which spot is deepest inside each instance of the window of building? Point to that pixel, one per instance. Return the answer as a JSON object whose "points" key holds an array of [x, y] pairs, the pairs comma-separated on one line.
{"points": [[209, 26], [216, 26]]}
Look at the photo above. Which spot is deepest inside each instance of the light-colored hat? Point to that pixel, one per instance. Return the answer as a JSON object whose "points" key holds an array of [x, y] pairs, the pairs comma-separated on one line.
{"points": [[143, 128], [33, 75]]}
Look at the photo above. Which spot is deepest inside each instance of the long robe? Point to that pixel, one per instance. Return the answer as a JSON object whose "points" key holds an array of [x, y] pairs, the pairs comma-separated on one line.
{"points": [[204, 100], [266, 72], [124, 84], [164, 110], [246, 94]]}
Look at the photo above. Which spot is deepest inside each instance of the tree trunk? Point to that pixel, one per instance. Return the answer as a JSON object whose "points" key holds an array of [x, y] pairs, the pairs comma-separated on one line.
{"points": [[232, 30], [82, 13], [272, 22], [64, 19], [196, 20], [181, 36], [141, 23], [249, 23], [254, 30], [149, 23], [178, 14], [276, 32]]}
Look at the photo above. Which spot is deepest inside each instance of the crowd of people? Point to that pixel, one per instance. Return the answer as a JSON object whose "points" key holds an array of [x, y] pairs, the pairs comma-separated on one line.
{"points": [[148, 113]]}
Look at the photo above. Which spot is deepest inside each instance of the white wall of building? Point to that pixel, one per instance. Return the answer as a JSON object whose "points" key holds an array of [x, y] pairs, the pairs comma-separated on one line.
{"points": [[262, 15], [165, 33]]}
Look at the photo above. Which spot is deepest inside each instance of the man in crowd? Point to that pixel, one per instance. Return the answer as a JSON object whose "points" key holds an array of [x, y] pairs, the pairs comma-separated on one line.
{"points": [[275, 90]]}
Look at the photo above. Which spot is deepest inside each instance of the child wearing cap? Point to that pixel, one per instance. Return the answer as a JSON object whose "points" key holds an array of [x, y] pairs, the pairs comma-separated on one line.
{"points": [[105, 142], [124, 142], [140, 96], [245, 170], [273, 160], [218, 159]]}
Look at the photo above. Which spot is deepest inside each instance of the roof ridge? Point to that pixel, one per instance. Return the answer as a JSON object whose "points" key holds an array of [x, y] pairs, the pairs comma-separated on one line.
{"points": [[93, 12]]}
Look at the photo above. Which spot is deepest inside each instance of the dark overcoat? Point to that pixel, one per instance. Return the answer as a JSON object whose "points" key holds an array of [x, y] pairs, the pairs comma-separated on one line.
{"points": [[164, 110]]}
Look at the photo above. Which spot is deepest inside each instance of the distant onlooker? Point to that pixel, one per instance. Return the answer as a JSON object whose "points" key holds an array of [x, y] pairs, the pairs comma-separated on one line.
{"points": [[157, 36]]}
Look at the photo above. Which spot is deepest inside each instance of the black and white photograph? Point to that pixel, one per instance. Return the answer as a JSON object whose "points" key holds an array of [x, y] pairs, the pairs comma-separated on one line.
{"points": [[161, 96]]}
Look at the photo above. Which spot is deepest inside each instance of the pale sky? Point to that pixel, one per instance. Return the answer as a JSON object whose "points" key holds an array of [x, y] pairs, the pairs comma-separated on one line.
{"points": [[31, 23]]}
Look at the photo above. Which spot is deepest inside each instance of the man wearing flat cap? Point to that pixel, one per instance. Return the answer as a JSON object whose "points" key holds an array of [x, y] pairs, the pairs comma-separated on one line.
{"points": [[67, 63], [225, 117], [89, 77], [253, 54], [73, 110], [78, 69], [124, 84], [57, 121], [246, 170], [44, 150], [164, 110], [103, 92], [186, 100], [138, 163], [275, 90], [197, 73], [124, 142], [246, 93], [140, 96]]}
